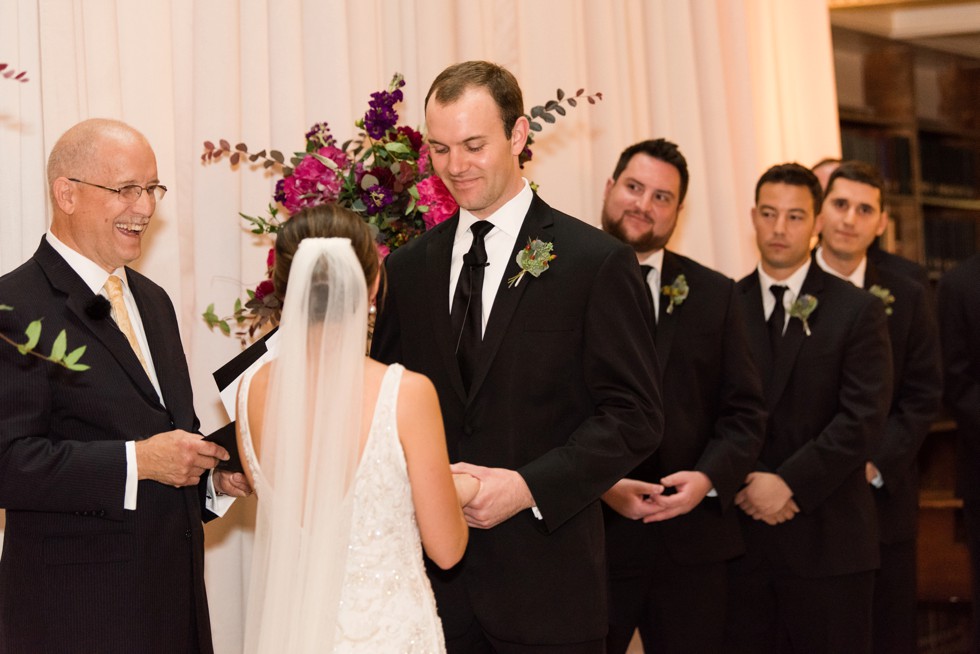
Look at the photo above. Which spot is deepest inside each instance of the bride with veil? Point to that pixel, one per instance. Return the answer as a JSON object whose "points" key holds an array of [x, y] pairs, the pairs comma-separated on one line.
{"points": [[348, 459]]}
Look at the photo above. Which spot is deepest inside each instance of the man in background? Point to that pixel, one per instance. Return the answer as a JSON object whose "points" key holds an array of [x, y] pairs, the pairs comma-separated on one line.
{"points": [[806, 580], [852, 216], [667, 551]]}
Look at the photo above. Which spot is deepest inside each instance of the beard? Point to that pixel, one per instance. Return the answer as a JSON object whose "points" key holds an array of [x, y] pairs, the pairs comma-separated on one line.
{"points": [[645, 242]]}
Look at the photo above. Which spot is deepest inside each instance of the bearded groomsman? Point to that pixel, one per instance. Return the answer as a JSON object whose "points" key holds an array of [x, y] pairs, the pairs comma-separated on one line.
{"points": [[806, 581], [852, 217], [667, 551]]}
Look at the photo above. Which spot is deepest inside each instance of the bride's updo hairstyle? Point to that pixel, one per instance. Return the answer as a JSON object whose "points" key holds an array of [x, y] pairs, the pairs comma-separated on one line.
{"points": [[325, 221]]}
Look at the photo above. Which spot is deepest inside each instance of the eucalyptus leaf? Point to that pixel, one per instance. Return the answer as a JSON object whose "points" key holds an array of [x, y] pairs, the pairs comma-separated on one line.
{"points": [[548, 118], [396, 147], [72, 357], [4, 307], [33, 333], [77, 367], [368, 181], [60, 346]]}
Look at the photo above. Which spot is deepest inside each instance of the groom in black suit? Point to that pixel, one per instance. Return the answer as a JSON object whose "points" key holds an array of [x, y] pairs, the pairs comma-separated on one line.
{"points": [[548, 381], [101, 474], [852, 216], [667, 551], [805, 582]]}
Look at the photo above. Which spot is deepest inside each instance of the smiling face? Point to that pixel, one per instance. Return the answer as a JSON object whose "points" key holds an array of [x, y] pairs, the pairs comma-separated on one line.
{"points": [[95, 222], [471, 153], [641, 206], [784, 224], [852, 219]]}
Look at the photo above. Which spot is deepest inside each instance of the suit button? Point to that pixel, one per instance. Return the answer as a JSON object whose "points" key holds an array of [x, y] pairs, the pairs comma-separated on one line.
{"points": [[187, 534]]}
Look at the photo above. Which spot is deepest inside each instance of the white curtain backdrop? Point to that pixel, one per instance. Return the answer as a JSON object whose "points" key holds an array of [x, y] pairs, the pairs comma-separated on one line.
{"points": [[738, 84]]}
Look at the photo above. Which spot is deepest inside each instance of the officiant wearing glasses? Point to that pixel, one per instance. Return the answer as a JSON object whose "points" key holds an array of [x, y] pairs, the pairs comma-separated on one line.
{"points": [[102, 473], [545, 370]]}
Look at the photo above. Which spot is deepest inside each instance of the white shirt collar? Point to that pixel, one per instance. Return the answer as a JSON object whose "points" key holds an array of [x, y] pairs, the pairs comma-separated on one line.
{"points": [[793, 284], [91, 273], [656, 260], [856, 277], [508, 218]]}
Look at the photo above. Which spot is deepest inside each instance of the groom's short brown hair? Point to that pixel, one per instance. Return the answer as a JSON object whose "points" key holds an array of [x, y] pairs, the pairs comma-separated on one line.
{"points": [[499, 82]]}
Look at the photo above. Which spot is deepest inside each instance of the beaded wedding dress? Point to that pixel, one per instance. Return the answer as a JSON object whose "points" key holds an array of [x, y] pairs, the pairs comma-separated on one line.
{"points": [[343, 571]]}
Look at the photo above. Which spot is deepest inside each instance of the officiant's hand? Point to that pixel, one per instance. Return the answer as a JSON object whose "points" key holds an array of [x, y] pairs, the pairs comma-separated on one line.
{"points": [[467, 487], [691, 487], [177, 458], [231, 483], [503, 493], [632, 498]]}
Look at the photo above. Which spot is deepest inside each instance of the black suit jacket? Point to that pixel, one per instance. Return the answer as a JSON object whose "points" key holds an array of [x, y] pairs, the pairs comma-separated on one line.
{"points": [[78, 572], [714, 419], [565, 393], [959, 316], [827, 395], [916, 395]]}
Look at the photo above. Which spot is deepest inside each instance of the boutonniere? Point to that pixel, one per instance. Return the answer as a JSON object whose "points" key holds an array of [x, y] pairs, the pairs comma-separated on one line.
{"points": [[884, 295], [533, 259], [802, 308], [677, 292]]}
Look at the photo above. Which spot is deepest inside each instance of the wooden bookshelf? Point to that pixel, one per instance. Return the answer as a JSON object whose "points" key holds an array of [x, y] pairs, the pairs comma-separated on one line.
{"points": [[915, 113]]}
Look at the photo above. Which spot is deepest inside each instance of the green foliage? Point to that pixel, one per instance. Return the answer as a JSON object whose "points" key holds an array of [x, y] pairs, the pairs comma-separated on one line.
{"points": [[59, 349]]}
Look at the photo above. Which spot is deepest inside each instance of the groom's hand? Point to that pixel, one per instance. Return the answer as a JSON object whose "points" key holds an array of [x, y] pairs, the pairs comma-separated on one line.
{"points": [[503, 493]]}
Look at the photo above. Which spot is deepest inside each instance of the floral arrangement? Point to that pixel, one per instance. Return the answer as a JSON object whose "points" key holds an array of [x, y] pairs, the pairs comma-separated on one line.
{"points": [[677, 292], [801, 310], [383, 174], [533, 259], [884, 295]]}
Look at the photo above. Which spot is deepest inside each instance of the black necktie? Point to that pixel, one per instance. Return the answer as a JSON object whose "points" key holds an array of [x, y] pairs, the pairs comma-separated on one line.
{"points": [[467, 311], [777, 318], [645, 269]]}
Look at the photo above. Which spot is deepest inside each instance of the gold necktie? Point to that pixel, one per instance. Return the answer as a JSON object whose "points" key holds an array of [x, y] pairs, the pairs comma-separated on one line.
{"points": [[113, 287]]}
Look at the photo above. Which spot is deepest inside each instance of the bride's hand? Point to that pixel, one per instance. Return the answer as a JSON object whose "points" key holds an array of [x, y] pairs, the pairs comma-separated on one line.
{"points": [[467, 487]]}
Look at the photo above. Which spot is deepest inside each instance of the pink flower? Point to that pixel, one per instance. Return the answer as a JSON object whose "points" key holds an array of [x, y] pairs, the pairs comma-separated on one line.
{"points": [[434, 195], [423, 161], [383, 251], [313, 182]]}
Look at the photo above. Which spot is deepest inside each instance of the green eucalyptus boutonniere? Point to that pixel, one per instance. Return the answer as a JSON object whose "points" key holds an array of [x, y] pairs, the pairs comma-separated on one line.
{"points": [[802, 308], [533, 259], [884, 295], [676, 292]]}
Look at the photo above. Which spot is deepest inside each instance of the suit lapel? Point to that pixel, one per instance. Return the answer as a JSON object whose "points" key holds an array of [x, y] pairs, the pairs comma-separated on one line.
{"points": [[65, 280], [536, 225], [871, 276], [667, 322], [438, 260], [793, 339], [156, 338], [755, 325]]}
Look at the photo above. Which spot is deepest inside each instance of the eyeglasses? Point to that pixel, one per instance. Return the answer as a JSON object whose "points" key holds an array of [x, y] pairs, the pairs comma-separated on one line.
{"points": [[131, 192]]}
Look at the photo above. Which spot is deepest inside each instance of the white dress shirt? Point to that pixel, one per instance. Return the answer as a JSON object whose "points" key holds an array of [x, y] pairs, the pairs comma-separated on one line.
{"points": [[500, 241], [793, 284], [856, 277], [656, 260]]}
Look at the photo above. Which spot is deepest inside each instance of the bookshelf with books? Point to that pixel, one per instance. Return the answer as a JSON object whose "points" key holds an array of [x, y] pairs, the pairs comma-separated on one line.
{"points": [[915, 113]]}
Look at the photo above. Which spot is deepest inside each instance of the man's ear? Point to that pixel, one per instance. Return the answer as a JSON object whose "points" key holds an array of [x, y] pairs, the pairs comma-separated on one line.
{"points": [[882, 223], [518, 136], [65, 195]]}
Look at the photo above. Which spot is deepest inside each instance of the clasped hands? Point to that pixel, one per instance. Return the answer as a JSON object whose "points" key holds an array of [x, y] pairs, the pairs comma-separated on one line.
{"points": [[179, 458], [646, 501], [767, 497], [502, 494]]}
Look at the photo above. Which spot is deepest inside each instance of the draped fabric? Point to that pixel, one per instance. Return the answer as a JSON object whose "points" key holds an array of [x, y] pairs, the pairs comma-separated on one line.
{"points": [[739, 85]]}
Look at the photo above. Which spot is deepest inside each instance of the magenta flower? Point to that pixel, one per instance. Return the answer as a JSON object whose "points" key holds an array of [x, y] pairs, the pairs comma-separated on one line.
{"points": [[270, 259], [313, 182], [264, 288], [434, 195], [383, 251]]}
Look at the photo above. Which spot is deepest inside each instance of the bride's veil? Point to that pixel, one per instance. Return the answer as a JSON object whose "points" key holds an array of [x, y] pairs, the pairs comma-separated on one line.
{"points": [[309, 453]]}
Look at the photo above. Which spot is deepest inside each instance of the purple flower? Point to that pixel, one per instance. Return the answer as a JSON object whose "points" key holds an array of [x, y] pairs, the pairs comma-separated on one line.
{"points": [[376, 198], [381, 115], [319, 136]]}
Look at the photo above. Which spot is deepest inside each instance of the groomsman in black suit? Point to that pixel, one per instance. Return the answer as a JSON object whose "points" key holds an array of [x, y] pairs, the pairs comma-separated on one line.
{"points": [[852, 216], [667, 550], [959, 319], [547, 375], [805, 583]]}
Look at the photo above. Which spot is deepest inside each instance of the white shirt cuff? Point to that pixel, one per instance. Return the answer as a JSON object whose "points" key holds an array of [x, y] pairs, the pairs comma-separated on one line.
{"points": [[132, 477], [537, 513], [878, 480], [216, 504], [712, 492]]}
